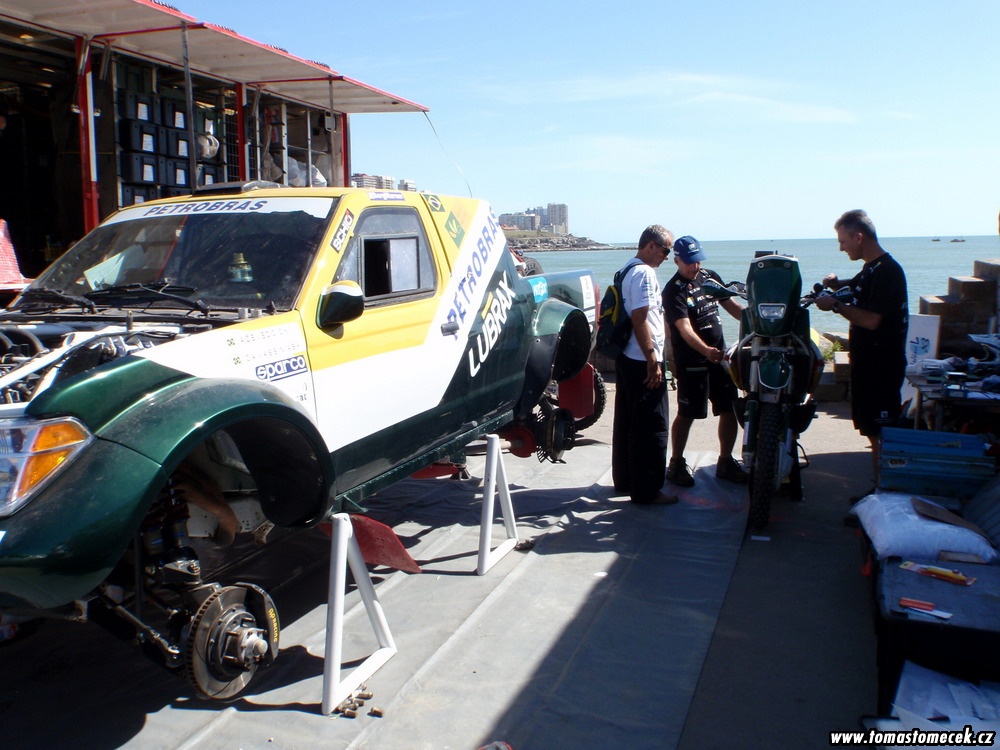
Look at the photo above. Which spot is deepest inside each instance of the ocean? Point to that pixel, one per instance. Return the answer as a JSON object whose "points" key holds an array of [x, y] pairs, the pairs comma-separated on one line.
{"points": [[927, 261]]}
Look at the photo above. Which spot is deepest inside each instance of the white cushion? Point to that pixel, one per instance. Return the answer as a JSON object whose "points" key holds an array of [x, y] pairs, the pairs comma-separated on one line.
{"points": [[897, 530]]}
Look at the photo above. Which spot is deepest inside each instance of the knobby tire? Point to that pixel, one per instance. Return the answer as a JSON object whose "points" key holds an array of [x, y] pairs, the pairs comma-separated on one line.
{"points": [[764, 474]]}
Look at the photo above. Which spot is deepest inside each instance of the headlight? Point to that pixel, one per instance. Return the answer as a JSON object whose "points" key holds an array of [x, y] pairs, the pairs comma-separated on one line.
{"points": [[32, 452], [771, 311]]}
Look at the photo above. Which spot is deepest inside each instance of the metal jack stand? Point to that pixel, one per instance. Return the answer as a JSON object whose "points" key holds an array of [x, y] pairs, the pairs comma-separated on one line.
{"points": [[494, 469], [344, 551]]}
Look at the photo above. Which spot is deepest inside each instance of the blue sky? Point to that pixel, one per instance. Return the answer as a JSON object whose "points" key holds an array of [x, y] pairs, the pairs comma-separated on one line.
{"points": [[725, 120]]}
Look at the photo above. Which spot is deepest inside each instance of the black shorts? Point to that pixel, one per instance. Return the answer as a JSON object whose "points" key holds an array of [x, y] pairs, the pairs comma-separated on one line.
{"points": [[875, 398], [698, 385]]}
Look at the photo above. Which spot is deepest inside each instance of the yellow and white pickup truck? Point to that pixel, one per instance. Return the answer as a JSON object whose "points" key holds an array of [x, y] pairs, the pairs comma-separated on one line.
{"points": [[202, 369]]}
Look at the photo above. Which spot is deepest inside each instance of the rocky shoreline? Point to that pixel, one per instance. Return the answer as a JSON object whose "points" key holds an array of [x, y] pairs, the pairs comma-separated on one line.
{"points": [[555, 242]]}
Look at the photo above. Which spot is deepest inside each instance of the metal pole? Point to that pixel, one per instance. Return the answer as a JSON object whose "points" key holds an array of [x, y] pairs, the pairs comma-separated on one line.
{"points": [[332, 121], [189, 100], [339, 538]]}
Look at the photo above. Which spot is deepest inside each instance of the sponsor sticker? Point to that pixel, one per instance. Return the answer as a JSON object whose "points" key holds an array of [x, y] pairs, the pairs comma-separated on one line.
{"points": [[539, 287], [318, 207], [434, 203], [494, 315], [455, 230], [343, 231], [386, 197], [282, 368]]}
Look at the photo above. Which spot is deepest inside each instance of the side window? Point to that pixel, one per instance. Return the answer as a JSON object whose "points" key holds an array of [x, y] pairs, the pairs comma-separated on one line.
{"points": [[389, 256]]}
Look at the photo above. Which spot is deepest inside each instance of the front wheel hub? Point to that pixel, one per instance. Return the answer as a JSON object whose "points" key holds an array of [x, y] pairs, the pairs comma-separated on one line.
{"points": [[234, 632], [557, 434]]}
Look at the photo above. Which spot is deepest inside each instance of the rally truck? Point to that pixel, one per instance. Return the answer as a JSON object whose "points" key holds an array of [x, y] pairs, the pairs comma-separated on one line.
{"points": [[243, 362]]}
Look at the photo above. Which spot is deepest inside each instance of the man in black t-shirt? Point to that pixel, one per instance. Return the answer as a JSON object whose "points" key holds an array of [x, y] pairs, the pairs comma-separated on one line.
{"points": [[698, 347], [879, 317]]}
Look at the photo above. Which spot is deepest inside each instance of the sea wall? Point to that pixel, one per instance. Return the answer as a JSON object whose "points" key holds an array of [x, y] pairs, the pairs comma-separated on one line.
{"points": [[543, 243]]}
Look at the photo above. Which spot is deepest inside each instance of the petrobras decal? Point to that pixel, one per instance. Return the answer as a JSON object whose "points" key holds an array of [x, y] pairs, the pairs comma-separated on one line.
{"points": [[343, 231], [540, 287], [386, 196], [282, 368], [318, 207], [479, 261], [494, 314]]}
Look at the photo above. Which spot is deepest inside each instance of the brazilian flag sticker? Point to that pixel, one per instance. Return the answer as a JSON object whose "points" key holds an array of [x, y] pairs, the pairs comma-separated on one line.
{"points": [[434, 203], [454, 228]]}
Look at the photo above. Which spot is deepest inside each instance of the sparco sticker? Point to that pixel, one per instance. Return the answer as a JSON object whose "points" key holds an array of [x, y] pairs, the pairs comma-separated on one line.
{"points": [[283, 368]]}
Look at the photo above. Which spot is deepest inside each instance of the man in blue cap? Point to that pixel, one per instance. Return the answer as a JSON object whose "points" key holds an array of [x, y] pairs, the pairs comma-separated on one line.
{"points": [[699, 346]]}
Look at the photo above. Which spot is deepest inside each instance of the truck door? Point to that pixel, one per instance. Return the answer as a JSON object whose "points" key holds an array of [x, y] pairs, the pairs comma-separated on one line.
{"points": [[380, 380]]}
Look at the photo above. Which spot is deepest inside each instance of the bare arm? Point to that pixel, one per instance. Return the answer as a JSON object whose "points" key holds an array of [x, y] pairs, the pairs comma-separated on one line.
{"points": [[832, 281], [853, 315], [644, 338], [693, 340], [732, 307]]}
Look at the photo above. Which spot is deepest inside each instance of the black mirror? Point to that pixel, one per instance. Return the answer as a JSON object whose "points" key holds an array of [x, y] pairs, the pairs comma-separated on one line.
{"points": [[341, 302]]}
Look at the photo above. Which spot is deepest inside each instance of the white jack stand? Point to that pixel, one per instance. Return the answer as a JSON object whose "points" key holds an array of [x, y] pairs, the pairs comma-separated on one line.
{"points": [[494, 470], [344, 551]]}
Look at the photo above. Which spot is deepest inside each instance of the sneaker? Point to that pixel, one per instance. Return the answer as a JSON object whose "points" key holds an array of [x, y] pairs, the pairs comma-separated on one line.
{"points": [[729, 470], [679, 473]]}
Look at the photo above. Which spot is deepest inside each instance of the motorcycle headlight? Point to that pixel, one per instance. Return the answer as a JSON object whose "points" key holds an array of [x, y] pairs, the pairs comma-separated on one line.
{"points": [[33, 451], [771, 310]]}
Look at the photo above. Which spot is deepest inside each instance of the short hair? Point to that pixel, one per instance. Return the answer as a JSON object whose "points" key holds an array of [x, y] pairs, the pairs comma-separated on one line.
{"points": [[857, 221], [658, 234]]}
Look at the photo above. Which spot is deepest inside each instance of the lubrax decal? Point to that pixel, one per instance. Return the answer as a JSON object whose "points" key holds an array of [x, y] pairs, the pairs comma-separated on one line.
{"points": [[466, 287], [494, 316], [283, 368]]}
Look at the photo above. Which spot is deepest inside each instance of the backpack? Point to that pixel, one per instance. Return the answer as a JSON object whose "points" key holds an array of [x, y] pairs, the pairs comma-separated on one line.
{"points": [[614, 325]]}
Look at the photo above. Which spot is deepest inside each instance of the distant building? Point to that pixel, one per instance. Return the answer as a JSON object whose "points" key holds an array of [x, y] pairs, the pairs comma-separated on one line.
{"points": [[378, 182], [409, 185], [552, 218], [558, 215], [521, 220]]}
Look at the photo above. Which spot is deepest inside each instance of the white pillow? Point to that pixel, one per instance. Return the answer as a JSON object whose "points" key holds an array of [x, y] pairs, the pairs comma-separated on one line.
{"points": [[897, 530]]}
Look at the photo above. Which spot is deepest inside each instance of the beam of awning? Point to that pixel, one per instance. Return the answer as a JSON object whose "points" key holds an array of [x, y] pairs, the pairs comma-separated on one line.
{"points": [[152, 30]]}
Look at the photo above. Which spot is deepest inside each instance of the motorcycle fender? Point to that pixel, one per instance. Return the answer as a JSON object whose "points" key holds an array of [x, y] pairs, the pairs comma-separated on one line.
{"points": [[773, 371]]}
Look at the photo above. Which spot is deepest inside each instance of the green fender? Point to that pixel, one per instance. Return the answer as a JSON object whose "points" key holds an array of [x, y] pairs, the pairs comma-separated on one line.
{"points": [[163, 414], [773, 370], [280, 445], [560, 347], [68, 538]]}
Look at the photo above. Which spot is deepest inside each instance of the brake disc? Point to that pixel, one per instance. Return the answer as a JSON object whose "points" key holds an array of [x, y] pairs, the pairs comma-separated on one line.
{"points": [[234, 632]]}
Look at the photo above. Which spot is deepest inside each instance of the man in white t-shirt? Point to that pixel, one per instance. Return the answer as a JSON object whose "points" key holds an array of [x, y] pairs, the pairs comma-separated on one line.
{"points": [[642, 413]]}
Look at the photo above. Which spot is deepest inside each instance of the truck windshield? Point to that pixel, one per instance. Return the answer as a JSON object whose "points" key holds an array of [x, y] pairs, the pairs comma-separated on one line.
{"points": [[229, 253]]}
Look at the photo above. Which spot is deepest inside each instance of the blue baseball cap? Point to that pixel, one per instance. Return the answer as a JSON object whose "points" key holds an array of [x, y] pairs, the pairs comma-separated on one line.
{"points": [[688, 249]]}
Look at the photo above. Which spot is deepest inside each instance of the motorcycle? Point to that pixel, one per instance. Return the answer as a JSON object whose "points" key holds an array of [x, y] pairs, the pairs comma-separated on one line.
{"points": [[777, 366]]}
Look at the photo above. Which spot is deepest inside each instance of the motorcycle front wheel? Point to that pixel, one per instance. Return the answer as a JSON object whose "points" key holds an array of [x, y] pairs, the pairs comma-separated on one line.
{"points": [[764, 470]]}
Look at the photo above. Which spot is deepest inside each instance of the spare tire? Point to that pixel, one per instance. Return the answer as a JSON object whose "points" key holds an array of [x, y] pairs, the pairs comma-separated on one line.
{"points": [[531, 267]]}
